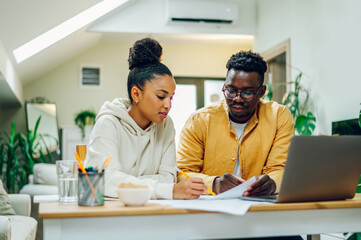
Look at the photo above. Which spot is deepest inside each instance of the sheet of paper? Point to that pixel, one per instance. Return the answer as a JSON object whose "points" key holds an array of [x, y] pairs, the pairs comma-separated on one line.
{"points": [[46, 198], [228, 202], [229, 206], [55, 198], [235, 192]]}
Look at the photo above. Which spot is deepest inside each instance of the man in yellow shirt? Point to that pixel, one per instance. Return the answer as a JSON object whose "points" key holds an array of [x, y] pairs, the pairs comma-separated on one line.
{"points": [[239, 137]]}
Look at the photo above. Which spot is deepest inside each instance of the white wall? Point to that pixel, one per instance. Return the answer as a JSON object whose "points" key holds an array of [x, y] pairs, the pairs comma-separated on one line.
{"points": [[11, 93], [325, 44], [62, 84], [7, 72], [150, 16]]}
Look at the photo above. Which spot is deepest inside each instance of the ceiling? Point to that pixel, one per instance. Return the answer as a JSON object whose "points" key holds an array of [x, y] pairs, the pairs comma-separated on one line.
{"points": [[23, 20]]}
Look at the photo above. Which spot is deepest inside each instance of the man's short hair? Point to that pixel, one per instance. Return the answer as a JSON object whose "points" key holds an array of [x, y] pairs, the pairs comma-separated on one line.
{"points": [[248, 61]]}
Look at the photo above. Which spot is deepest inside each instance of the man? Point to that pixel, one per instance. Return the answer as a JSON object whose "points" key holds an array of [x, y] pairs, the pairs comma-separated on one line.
{"points": [[239, 137]]}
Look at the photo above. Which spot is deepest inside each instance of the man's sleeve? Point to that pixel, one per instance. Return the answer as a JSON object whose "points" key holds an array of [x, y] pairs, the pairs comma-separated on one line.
{"points": [[278, 154], [190, 152]]}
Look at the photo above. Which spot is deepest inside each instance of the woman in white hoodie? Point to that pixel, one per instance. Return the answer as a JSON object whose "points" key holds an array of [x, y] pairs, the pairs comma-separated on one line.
{"points": [[137, 132]]}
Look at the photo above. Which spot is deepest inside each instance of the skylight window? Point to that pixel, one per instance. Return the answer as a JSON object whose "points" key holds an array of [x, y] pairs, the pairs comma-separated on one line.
{"points": [[65, 29]]}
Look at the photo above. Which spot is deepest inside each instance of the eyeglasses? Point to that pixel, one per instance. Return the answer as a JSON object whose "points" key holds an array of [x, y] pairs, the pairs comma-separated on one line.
{"points": [[245, 95]]}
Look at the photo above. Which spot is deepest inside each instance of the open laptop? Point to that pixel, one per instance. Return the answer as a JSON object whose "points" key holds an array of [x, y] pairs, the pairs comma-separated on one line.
{"points": [[319, 168]]}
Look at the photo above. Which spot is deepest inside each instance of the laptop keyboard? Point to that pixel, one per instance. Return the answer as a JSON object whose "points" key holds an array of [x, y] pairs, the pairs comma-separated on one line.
{"points": [[269, 198]]}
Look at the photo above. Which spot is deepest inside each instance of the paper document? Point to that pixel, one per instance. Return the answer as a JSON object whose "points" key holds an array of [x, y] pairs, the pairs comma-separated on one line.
{"points": [[230, 206], [235, 192], [55, 198], [227, 202], [46, 198]]}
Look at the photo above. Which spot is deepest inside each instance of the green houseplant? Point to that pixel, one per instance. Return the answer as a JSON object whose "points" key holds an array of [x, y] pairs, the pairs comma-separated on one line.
{"points": [[13, 173], [304, 119], [297, 101], [18, 153], [84, 118]]}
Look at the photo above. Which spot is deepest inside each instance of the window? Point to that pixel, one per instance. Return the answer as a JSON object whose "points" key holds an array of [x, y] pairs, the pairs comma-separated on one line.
{"points": [[192, 94]]}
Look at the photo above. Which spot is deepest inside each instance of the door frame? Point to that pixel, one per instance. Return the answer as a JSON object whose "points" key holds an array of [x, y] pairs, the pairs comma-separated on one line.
{"points": [[273, 52]]}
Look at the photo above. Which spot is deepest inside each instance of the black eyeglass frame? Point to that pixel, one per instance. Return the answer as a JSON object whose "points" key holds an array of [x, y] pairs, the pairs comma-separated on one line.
{"points": [[239, 92]]}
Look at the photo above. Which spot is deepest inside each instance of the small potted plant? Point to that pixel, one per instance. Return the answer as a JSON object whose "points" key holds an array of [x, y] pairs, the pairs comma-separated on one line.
{"points": [[84, 118]]}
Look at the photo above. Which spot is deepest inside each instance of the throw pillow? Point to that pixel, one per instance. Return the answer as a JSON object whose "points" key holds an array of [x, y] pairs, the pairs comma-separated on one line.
{"points": [[45, 173], [5, 204]]}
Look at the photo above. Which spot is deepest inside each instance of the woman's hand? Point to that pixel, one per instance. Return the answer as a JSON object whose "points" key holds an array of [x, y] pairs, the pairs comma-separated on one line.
{"points": [[189, 188]]}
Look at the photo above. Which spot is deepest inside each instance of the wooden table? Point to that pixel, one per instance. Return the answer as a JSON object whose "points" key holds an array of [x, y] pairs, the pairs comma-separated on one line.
{"points": [[113, 221]]}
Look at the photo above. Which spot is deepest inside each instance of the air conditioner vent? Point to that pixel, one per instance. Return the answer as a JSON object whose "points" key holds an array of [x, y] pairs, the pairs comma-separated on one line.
{"points": [[198, 11], [90, 76], [196, 20]]}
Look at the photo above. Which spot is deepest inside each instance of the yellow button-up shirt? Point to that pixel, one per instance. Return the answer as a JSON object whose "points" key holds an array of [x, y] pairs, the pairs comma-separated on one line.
{"points": [[208, 143]]}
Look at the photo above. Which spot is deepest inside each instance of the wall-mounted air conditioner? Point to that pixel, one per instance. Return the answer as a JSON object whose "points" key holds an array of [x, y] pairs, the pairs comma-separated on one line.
{"points": [[208, 11]]}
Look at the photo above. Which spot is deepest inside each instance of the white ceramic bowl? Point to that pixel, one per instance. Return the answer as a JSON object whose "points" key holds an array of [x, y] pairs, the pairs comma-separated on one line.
{"points": [[134, 196]]}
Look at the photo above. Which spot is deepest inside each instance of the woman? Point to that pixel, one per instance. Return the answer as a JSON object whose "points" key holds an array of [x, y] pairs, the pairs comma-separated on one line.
{"points": [[137, 132]]}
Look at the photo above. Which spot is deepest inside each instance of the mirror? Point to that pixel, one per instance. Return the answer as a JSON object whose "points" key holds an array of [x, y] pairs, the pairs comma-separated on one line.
{"points": [[48, 126]]}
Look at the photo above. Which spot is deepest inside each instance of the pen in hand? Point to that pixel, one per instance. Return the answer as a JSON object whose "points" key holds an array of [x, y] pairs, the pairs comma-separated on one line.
{"points": [[185, 174]]}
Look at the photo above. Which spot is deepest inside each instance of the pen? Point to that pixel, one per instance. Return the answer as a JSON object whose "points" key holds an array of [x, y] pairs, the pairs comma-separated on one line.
{"points": [[185, 174], [105, 164], [80, 164]]}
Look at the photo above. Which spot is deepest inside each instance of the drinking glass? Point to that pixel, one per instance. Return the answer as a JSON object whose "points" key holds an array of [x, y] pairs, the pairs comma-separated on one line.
{"points": [[67, 181]]}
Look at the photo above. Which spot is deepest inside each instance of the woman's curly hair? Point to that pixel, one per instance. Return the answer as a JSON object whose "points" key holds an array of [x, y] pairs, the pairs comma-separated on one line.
{"points": [[144, 64]]}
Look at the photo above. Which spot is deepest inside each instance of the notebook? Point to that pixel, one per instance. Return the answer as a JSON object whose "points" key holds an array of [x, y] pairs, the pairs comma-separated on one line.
{"points": [[319, 168]]}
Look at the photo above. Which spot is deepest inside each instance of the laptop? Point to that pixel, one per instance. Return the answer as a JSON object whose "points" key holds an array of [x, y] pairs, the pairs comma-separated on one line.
{"points": [[319, 168]]}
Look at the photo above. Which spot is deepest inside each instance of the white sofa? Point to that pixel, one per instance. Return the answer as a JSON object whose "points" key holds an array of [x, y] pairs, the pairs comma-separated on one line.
{"points": [[42, 182], [20, 226]]}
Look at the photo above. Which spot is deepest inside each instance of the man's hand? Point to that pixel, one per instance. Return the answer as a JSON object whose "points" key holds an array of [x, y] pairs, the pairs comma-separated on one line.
{"points": [[263, 185], [226, 182]]}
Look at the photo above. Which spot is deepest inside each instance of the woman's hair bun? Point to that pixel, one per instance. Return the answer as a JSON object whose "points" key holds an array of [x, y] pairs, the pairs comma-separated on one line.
{"points": [[144, 52]]}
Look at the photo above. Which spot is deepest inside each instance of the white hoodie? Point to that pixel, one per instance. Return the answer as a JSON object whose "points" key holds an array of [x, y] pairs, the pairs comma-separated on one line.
{"points": [[142, 157]]}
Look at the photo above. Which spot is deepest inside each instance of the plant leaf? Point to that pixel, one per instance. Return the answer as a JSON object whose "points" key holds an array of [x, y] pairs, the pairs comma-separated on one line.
{"points": [[269, 92], [305, 125]]}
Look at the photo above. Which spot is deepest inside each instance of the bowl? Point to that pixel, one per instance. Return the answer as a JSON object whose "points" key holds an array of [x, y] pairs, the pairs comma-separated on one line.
{"points": [[134, 196]]}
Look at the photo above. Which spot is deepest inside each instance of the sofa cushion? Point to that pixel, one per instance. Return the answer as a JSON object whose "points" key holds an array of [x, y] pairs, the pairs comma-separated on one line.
{"points": [[5, 204], [39, 189], [45, 173], [5, 228], [23, 228]]}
